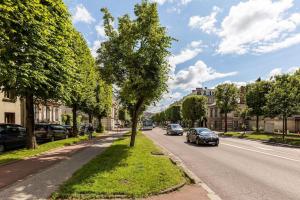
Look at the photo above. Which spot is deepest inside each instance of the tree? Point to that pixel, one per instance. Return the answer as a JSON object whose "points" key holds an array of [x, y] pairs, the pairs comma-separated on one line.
{"points": [[256, 98], [35, 58], [104, 101], [283, 98], [80, 91], [173, 113], [194, 108], [134, 57], [227, 96]]}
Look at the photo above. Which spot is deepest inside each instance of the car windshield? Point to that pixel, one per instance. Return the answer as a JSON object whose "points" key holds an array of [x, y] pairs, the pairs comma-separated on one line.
{"points": [[176, 126]]}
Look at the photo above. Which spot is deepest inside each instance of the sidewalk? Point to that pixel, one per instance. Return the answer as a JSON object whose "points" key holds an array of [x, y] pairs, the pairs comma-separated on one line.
{"points": [[38, 177]]}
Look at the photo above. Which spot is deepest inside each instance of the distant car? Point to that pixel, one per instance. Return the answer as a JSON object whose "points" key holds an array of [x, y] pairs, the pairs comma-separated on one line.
{"points": [[174, 129], [202, 136], [50, 132], [12, 136]]}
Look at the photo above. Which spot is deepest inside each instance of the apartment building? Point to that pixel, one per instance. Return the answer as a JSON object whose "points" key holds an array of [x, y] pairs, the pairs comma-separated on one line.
{"points": [[215, 120], [11, 108]]}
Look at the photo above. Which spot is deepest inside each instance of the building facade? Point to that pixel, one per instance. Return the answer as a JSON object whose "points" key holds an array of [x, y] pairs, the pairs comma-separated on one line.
{"points": [[11, 108]]}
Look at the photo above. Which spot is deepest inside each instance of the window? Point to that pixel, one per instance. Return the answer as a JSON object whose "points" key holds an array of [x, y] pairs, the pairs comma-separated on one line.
{"points": [[216, 112], [9, 118], [9, 95], [211, 112]]}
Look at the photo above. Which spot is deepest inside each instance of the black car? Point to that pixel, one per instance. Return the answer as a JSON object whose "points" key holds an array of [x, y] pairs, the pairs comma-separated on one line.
{"points": [[50, 132], [202, 136], [174, 129], [12, 136]]}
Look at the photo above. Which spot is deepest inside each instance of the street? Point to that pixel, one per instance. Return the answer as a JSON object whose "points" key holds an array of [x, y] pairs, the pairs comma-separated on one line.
{"points": [[239, 169]]}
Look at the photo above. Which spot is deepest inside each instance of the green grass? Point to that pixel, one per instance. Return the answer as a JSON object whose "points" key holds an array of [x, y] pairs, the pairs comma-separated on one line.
{"points": [[120, 170], [291, 139], [24, 153]]}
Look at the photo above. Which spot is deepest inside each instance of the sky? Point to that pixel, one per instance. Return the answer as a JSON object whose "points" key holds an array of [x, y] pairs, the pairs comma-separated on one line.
{"points": [[217, 41]]}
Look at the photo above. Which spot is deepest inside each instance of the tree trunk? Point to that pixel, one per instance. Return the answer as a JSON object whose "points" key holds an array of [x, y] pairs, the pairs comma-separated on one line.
{"points": [[283, 127], [225, 123], [75, 129], [90, 118], [31, 140], [286, 129], [133, 129], [257, 123], [99, 124], [135, 116]]}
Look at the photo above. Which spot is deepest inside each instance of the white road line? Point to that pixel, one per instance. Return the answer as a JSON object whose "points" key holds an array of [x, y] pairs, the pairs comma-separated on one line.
{"points": [[269, 154], [263, 148]]}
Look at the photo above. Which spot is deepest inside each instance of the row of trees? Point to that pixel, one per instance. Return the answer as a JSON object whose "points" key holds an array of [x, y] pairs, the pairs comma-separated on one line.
{"points": [[279, 96], [43, 57]]}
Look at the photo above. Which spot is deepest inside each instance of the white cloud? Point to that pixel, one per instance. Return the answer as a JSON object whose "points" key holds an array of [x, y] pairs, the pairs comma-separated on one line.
{"points": [[207, 24], [167, 99], [279, 71], [259, 26], [238, 83], [192, 50], [95, 47], [178, 2], [81, 14], [195, 75], [100, 30]]}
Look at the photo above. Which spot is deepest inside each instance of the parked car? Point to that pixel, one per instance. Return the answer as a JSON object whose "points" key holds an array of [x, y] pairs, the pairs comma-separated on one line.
{"points": [[12, 136], [174, 129], [50, 132], [69, 129], [202, 136]]}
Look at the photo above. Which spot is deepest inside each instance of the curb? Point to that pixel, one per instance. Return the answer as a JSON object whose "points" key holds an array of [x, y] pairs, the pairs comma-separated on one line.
{"points": [[194, 179]]}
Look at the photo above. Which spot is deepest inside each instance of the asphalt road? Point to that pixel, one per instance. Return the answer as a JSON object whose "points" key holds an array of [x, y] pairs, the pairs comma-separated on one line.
{"points": [[239, 169]]}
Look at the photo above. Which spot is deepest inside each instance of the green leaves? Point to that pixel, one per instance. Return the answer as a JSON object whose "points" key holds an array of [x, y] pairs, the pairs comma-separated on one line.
{"points": [[283, 97], [256, 96], [227, 96], [194, 108], [37, 57]]}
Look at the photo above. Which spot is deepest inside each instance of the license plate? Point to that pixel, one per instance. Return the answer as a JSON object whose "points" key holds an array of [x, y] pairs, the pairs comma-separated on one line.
{"points": [[211, 143]]}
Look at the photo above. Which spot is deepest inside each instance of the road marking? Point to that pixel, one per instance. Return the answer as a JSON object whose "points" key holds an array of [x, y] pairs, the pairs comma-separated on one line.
{"points": [[269, 154], [263, 148]]}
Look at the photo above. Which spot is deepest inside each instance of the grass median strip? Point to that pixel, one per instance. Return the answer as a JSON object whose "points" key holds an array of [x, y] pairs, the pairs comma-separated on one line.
{"points": [[123, 171], [24, 153], [290, 139]]}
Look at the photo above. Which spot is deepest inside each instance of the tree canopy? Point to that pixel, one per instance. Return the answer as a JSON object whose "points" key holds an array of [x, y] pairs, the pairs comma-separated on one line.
{"points": [[194, 108]]}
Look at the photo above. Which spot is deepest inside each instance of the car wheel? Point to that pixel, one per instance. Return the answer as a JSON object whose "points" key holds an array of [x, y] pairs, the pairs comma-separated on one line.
{"points": [[2, 148]]}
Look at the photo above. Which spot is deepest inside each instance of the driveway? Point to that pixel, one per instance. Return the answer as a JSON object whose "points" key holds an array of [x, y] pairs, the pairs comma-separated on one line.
{"points": [[239, 169]]}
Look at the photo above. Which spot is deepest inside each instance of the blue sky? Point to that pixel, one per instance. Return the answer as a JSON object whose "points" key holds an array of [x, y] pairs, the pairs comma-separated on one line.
{"points": [[218, 41]]}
